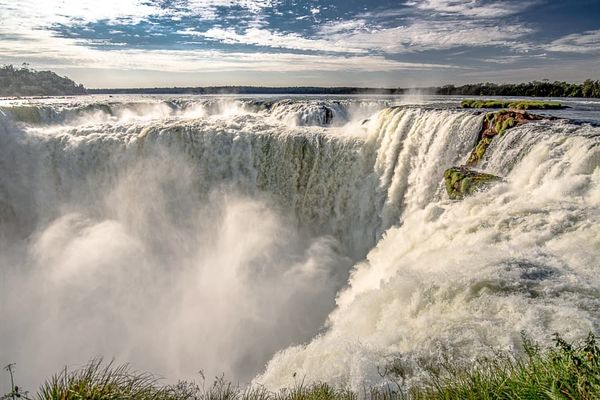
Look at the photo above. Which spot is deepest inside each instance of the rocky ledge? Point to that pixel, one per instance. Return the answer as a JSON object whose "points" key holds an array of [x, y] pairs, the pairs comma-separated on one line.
{"points": [[462, 181], [496, 124]]}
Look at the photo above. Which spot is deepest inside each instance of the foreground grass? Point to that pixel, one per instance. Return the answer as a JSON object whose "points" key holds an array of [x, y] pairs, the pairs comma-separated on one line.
{"points": [[566, 371], [516, 104]]}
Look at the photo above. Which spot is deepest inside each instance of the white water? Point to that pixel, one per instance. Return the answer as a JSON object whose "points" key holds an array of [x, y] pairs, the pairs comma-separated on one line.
{"points": [[190, 235]]}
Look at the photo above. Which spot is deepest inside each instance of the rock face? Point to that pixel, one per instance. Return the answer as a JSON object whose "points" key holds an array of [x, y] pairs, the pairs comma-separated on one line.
{"points": [[495, 124], [462, 181], [327, 115]]}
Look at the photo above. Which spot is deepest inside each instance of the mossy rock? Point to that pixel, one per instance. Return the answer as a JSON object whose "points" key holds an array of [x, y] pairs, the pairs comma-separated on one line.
{"points": [[479, 150], [496, 124], [461, 182]]}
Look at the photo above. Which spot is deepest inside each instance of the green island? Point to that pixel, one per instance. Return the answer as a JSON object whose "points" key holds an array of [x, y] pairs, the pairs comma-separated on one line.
{"points": [[512, 104]]}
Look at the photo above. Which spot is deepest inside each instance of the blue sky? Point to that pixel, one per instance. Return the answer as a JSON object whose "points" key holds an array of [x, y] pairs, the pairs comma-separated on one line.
{"points": [[146, 43]]}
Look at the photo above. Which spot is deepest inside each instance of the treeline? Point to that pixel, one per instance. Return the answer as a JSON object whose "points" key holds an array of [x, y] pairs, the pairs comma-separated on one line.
{"points": [[26, 81], [589, 88], [307, 90]]}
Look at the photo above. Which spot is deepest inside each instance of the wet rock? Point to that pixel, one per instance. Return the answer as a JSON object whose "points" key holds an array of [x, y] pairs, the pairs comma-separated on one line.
{"points": [[496, 124], [461, 182], [327, 115]]}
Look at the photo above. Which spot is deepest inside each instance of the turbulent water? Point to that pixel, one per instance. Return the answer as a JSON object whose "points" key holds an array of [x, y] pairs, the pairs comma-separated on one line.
{"points": [[282, 239]]}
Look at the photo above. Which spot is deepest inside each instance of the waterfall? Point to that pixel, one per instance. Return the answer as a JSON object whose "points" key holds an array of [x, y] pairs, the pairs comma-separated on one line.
{"points": [[226, 234], [456, 281]]}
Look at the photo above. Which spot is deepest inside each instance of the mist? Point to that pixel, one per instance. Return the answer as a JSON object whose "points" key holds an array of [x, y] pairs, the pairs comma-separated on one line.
{"points": [[153, 273]]}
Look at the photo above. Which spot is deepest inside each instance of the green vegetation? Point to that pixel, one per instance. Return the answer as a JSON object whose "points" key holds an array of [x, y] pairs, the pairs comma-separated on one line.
{"points": [[479, 150], [566, 371], [502, 126], [589, 88], [545, 88], [102, 382], [517, 104], [97, 382], [25, 81], [461, 182], [496, 124]]}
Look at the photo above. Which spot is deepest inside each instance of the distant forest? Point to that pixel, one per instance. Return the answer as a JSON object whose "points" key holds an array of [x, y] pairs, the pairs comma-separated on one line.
{"points": [[589, 88], [25, 81]]}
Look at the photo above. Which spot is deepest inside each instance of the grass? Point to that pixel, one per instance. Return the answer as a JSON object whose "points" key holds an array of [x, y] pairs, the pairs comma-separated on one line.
{"points": [[566, 371], [96, 382], [514, 104]]}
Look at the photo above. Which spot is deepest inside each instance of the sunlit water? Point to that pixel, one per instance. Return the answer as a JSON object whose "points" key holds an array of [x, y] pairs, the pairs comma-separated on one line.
{"points": [[275, 239]]}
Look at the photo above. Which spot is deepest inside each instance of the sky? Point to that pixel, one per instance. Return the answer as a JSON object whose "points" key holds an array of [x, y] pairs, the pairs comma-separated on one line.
{"points": [[383, 43]]}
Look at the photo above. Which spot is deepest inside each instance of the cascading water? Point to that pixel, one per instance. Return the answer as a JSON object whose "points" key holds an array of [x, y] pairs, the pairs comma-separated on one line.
{"points": [[184, 234], [457, 280]]}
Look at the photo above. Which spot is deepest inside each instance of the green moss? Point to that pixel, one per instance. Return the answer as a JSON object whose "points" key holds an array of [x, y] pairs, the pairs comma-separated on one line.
{"points": [[479, 150], [495, 123], [489, 117], [498, 126], [517, 104], [506, 124], [461, 182]]}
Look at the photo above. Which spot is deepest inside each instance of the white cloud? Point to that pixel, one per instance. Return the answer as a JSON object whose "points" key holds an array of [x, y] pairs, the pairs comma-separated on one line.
{"points": [[424, 35], [359, 44], [207, 9], [342, 26], [267, 38], [43, 50], [586, 42], [356, 37], [38, 14], [471, 8]]}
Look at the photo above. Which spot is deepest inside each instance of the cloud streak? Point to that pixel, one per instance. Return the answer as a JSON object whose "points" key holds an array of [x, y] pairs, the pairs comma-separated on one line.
{"points": [[276, 35], [586, 42], [471, 8]]}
